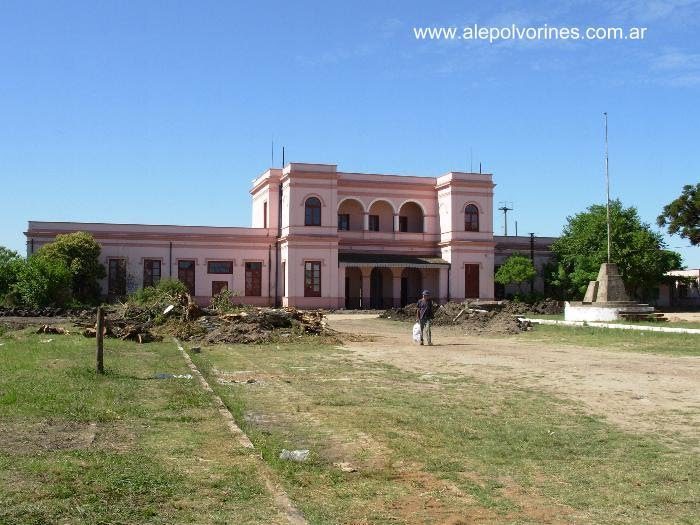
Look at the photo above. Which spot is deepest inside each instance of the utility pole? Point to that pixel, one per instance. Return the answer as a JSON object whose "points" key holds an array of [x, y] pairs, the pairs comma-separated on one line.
{"points": [[532, 258], [505, 209], [607, 182]]}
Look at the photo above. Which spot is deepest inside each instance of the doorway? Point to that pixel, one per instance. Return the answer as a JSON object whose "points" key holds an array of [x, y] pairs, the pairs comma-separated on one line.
{"points": [[471, 281], [185, 274]]}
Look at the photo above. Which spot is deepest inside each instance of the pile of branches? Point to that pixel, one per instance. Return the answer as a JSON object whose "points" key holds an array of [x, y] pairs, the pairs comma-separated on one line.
{"points": [[501, 317], [136, 321], [259, 325]]}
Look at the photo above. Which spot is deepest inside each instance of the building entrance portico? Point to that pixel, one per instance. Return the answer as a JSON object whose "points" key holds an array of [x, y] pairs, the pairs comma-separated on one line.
{"points": [[380, 281]]}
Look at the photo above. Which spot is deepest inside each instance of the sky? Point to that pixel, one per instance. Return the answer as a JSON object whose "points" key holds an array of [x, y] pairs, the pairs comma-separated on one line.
{"points": [[163, 112]]}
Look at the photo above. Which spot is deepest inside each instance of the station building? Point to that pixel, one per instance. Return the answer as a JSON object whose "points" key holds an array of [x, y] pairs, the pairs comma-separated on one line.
{"points": [[319, 238]]}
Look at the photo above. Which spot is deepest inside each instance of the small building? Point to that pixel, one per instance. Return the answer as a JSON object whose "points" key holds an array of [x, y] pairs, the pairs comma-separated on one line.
{"points": [[538, 249], [320, 238], [680, 289]]}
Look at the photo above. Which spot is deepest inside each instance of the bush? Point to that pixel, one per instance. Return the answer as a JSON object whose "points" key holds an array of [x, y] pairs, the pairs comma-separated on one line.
{"points": [[166, 291], [80, 253], [221, 302], [42, 281], [10, 264]]}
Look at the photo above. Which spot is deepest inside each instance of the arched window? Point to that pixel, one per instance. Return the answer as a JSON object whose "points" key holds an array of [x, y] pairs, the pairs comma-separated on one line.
{"points": [[312, 212], [471, 218]]}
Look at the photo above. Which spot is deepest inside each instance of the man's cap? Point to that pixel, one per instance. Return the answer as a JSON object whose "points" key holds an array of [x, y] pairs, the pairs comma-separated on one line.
{"points": [[426, 292]]}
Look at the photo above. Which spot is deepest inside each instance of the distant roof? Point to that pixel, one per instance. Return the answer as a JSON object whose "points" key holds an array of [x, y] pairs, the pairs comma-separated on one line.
{"points": [[391, 260]]}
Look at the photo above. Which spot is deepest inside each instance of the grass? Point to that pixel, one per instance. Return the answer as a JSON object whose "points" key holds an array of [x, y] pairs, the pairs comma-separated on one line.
{"points": [[437, 448], [671, 324], [76, 447], [617, 340]]}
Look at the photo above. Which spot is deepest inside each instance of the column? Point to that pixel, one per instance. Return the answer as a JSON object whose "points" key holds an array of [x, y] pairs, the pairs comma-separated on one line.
{"points": [[365, 221], [366, 271], [341, 287], [396, 222], [396, 290], [442, 285]]}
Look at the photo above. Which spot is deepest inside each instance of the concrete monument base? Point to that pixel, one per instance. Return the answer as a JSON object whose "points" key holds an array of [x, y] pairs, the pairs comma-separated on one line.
{"points": [[606, 300], [580, 311]]}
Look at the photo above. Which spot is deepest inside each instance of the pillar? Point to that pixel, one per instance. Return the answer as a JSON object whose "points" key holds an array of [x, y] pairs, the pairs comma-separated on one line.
{"points": [[396, 222], [366, 271], [442, 285], [396, 286], [365, 221], [341, 287]]}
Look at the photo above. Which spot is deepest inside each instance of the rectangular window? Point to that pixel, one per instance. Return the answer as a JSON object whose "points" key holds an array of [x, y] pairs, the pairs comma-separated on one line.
{"points": [[151, 272], [220, 267], [312, 279], [253, 279], [403, 223], [185, 273], [374, 223], [344, 221], [116, 280], [265, 214], [217, 286]]}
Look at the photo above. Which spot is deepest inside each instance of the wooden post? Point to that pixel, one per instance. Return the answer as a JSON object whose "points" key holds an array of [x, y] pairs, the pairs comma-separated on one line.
{"points": [[99, 336]]}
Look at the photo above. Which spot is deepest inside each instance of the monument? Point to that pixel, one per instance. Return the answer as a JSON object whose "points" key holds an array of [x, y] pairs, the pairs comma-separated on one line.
{"points": [[606, 299]]}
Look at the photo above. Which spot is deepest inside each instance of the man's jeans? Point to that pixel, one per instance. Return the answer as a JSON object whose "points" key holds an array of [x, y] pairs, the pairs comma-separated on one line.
{"points": [[425, 331]]}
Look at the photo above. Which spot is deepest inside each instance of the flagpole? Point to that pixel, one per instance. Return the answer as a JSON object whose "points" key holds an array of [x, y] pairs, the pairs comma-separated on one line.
{"points": [[607, 182]]}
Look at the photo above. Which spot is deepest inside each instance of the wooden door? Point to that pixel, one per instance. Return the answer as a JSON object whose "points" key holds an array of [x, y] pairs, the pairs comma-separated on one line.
{"points": [[471, 281], [185, 273]]}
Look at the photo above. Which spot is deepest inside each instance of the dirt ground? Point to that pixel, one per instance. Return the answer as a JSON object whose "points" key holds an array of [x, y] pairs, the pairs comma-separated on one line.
{"points": [[683, 316], [638, 392]]}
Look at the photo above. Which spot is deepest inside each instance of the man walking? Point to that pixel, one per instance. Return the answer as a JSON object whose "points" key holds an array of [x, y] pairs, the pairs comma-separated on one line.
{"points": [[424, 316]]}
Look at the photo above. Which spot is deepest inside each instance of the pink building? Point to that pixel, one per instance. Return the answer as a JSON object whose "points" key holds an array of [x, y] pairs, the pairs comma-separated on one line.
{"points": [[319, 238]]}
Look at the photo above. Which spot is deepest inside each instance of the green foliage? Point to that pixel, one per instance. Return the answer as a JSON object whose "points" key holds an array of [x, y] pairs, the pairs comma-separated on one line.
{"points": [[10, 264], [43, 281], [222, 301], [80, 253], [639, 252], [152, 300], [166, 291], [516, 269], [682, 216]]}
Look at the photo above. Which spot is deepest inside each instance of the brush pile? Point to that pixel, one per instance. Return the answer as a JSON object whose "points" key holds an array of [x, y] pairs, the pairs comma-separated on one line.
{"points": [[496, 317], [187, 321]]}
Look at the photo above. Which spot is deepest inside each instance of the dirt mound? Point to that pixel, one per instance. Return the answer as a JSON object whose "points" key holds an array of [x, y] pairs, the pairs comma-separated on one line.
{"points": [[544, 307], [260, 325], [493, 317], [189, 322]]}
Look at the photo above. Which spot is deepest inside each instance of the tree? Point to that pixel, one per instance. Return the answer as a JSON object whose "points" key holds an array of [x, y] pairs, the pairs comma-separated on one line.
{"points": [[516, 269], [639, 252], [80, 253], [683, 215], [10, 263], [43, 281]]}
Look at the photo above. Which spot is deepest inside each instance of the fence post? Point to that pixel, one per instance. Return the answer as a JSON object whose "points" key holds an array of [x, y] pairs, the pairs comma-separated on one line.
{"points": [[99, 336]]}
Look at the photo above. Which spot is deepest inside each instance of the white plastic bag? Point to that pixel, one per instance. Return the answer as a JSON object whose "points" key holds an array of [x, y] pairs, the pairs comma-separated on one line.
{"points": [[416, 333]]}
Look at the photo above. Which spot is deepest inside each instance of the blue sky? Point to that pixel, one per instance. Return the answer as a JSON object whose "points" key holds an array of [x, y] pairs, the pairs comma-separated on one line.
{"points": [[162, 112]]}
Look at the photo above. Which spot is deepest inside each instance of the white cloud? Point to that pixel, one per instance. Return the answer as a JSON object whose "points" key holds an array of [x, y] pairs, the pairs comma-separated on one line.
{"points": [[657, 10], [676, 68]]}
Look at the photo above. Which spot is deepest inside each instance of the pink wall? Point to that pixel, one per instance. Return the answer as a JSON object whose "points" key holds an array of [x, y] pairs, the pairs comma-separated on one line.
{"points": [[441, 201]]}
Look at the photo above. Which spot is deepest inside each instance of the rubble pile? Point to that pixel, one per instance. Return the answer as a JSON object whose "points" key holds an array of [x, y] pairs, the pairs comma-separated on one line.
{"points": [[496, 317], [258, 325], [187, 321]]}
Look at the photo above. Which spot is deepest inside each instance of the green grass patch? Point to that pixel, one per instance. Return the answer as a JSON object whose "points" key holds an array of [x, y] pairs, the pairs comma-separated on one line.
{"points": [[123, 447], [616, 339], [431, 448]]}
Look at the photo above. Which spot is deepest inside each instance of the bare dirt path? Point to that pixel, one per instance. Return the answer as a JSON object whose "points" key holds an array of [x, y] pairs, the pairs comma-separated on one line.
{"points": [[638, 392]]}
